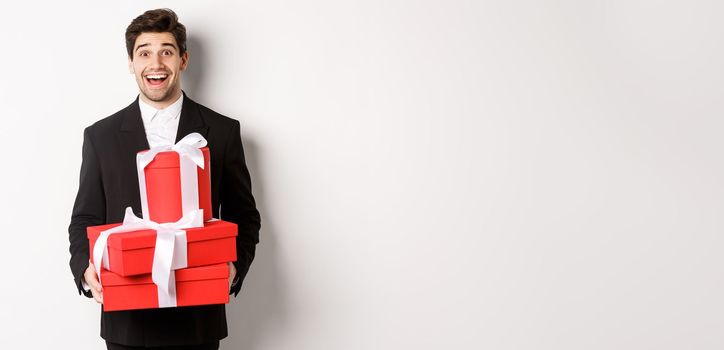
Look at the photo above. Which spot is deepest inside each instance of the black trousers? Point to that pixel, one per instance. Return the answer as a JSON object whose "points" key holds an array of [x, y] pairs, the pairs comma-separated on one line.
{"points": [[211, 346]]}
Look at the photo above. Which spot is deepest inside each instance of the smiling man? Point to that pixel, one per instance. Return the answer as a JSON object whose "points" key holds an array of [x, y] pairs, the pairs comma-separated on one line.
{"points": [[156, 61], [161, 115]]}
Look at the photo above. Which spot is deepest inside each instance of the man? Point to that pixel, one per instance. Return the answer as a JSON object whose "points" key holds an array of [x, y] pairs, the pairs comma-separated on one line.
{"points": [[162, 114]]}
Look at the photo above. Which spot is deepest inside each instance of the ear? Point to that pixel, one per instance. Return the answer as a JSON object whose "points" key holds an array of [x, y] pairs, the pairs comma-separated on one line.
{"points": [[184, 61], [130, 66]]}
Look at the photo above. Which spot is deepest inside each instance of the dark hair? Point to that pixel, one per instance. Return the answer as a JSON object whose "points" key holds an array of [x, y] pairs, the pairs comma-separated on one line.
{"points": [[156, 21]]}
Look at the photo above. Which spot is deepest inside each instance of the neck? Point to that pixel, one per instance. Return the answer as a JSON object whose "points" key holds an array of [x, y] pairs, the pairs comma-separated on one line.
{"points": [[161, 104]]}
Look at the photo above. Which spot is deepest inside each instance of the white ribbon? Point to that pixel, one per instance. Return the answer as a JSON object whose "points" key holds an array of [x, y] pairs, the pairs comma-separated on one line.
{"points": [[169, 253], [190, 157]]}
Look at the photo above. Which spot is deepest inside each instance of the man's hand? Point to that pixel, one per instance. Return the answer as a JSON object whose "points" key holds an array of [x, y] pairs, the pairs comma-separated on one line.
{"points": [[95, 286], [232, 273]]}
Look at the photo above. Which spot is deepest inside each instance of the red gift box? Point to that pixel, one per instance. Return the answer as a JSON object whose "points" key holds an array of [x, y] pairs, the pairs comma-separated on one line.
{"points": [[194, 286], [131, 253], [163, 187]]}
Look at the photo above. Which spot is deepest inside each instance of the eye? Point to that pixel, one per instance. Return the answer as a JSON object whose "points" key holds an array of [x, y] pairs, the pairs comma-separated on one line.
{"points": [[167, 52], [143, 53]]}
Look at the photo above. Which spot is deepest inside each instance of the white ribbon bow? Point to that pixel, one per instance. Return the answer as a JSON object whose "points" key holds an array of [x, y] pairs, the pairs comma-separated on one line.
{"points": [[170, 252], [190, 156]]}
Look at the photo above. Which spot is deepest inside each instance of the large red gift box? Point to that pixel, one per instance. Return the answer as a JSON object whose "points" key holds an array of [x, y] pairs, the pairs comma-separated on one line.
{"points": [[163, 187], [131, 253], [194, 286]]}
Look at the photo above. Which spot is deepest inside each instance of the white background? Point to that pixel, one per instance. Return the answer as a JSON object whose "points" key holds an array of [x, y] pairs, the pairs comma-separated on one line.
{"points": [[431, 174]]}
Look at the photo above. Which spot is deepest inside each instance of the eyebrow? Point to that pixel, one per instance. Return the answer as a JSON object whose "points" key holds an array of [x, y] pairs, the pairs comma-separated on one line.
{"points": [[162, 45]]}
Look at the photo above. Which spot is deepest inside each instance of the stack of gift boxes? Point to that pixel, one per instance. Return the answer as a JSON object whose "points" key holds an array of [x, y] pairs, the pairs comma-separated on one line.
{"points": [[176, 255]]}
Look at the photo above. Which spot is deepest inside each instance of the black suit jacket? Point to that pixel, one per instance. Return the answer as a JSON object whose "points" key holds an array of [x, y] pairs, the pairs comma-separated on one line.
{"points": [[109, 184]]}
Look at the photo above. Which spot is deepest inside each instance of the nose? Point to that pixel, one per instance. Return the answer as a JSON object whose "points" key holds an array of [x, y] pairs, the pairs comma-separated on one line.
{"points": [[155, 61]]}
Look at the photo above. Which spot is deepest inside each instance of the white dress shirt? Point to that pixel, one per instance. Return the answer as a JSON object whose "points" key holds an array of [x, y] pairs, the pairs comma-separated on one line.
{"points": [[161, 124]]}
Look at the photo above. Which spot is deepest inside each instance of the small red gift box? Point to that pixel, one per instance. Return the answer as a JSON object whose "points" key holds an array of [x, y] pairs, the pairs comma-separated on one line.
{"points": [[194, 286], [131, 253], [163, 187]]}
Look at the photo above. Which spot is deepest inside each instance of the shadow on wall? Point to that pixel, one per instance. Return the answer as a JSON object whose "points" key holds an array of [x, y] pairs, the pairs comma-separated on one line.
{"points": [[193, 83], [259, 310]]}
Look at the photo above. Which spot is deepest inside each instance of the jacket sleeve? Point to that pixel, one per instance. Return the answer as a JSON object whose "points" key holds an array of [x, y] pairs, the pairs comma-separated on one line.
{"points": [[238, 205], [89, 209]]}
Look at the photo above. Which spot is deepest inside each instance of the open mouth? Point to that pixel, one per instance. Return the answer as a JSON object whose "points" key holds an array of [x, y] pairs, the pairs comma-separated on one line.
{"points": [[156, 79]]}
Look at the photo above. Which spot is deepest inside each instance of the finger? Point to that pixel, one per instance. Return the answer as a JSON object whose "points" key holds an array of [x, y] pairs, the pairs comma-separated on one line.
{"points": [[93, 282], [232, 273], [92, 279], [98, 286], [98, 296]]}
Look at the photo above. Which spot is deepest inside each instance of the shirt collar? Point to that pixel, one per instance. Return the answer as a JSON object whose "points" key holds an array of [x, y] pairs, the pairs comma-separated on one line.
{"points": [[148, 111]]}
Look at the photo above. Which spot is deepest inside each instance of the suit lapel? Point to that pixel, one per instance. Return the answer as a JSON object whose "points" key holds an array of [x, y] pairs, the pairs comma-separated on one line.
{"points": [[133, 135], [190, 120]]}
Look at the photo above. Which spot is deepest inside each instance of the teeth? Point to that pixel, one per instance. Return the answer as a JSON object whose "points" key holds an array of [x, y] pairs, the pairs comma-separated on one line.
{"points": [[156, 76]]}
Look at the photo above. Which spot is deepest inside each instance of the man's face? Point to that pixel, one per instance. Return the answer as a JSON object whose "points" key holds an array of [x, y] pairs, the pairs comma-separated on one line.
{"points": [[157, 66]]}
